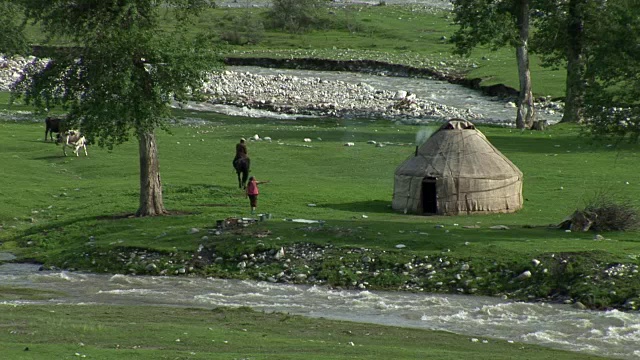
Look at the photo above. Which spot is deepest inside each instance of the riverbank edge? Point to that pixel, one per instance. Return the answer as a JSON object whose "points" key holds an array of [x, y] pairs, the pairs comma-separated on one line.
{"points": [[585, 280], [376, 67]]}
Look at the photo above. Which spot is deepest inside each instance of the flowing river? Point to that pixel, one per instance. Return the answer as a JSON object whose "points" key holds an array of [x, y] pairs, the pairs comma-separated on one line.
{"points": [[492, 109], [612, 333]]}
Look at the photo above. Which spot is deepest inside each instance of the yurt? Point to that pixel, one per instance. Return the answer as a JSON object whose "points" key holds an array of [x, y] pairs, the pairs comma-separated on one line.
{"points": [[457, 171]]}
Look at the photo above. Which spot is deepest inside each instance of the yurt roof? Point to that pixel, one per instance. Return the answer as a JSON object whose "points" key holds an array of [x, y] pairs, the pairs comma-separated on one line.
{"points": [[458, 149]]}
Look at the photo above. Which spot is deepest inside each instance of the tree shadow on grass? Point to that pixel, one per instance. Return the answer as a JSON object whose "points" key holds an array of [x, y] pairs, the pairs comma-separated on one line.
{"points": [[371, 206], [41, 141], [129, 215], [54, 225], [50, 157]]}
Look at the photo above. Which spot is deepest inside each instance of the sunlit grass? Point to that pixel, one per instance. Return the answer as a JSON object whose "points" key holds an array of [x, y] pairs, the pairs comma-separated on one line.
{"points": [[118, 332], [71, 196]]}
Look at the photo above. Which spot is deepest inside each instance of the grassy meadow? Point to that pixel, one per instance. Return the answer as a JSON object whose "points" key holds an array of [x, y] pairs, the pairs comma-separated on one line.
{"points": [[75, 213], [412, 35], [65, 211], [57, 207], [112, 332]]}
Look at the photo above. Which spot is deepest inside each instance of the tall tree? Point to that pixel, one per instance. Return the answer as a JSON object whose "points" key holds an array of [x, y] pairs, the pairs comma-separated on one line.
{"points": [[123, 74], [498, 23], [562, 37], [613, 84], [12, 39]]}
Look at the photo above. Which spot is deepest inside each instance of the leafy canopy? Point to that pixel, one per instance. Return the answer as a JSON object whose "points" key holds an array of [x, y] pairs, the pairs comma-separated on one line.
{"points": [[552, 18], [484, 22], [12, 39], [612, 73], [124, 72]]}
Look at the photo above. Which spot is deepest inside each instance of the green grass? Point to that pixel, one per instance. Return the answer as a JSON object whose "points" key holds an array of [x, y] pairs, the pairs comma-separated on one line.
{"points": [[406, 35], [112, 332], [52, 205]]}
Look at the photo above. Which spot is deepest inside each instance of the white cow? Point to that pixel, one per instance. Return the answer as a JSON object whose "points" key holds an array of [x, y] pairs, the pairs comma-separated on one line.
{"points": [[72, 139]]}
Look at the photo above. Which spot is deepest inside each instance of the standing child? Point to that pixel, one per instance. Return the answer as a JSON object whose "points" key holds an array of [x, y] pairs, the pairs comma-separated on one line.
{"points": [[252, 193]]}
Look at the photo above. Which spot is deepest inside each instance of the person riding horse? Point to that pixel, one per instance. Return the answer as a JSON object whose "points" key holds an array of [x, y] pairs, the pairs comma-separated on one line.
{"points": [[241, 152], [241, 163]]}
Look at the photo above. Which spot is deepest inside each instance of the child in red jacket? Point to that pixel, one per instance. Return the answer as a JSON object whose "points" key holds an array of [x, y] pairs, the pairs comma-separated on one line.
{"points": [[252, 193]]}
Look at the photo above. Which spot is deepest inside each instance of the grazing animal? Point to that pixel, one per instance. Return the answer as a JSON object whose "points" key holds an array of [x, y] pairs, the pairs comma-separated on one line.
{"points": [[242, 167], [52, 125], [72, 139]]}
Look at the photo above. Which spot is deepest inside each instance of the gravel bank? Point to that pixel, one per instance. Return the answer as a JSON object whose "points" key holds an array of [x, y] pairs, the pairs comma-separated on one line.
{"points": [[320, 97], [294, 95]]}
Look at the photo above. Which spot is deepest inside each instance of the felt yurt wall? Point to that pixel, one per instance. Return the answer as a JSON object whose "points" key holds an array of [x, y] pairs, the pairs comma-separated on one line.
{"points": [[457, 170]]}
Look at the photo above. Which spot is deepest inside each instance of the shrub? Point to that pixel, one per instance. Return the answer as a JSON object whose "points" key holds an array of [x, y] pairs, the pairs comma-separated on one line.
{"points": [[245, 29], [296, 15], [612, 214]]}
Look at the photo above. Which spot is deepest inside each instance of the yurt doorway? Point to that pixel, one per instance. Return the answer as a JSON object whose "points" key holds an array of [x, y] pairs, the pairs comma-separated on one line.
{"points": [[429, 204]]}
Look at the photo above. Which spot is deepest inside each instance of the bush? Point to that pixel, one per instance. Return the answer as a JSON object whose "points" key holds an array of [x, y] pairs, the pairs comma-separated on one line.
{"points": [[611, 214], [296, 15], [246, 29]]}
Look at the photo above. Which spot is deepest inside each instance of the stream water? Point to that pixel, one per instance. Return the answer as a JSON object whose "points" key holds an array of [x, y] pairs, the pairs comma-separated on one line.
{"points": [[612, 333], [493, 110]]}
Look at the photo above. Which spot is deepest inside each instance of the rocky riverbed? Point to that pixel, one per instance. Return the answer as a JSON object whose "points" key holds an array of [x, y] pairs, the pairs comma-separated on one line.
{"points": [[319, 97], [294, 95], [250, 94]]}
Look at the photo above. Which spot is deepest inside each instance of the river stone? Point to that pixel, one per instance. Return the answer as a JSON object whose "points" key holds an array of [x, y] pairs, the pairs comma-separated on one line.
{"points": [[6, 256], [578, 305], [399, 95], [525, 275], [499, 227], [535, 262], [280, 254]]}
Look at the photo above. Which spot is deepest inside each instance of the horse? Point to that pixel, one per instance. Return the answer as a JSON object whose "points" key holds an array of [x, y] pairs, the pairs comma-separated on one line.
{"points": [[242, 167], [53, 125]]}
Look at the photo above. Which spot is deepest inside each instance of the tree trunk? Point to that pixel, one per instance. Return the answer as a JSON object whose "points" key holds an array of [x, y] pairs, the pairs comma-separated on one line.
{"points": [[526, 111], [151, 203], [574, 99]]}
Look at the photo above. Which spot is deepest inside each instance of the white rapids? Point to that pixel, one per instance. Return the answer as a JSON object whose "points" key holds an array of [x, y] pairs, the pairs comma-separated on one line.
{"points": [[609, 333]]}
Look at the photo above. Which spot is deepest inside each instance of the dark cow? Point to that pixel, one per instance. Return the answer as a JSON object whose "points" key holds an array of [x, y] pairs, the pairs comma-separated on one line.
{"points": [[74, 140], [53, 125]]}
